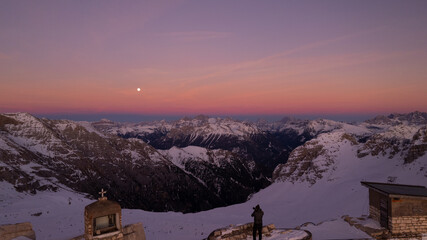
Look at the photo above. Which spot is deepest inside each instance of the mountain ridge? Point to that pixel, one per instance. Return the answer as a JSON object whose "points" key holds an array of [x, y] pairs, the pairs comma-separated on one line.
{"points": [[222, 161], [81, 157]]}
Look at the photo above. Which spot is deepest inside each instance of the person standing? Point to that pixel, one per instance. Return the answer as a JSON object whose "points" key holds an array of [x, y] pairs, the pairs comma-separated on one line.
{"points": [[257, 214]]}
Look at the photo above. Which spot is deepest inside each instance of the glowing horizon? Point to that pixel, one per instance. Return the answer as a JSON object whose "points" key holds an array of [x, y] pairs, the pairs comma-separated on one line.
{"points": [[215, 58]]}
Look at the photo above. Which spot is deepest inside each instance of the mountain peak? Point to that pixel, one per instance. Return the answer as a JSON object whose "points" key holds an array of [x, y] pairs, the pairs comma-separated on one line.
{"points": [[287, 119], [201, 117], [412, 118]]}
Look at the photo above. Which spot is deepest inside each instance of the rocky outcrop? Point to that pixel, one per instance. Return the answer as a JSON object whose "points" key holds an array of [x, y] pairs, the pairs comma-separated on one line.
{"points": [[240, 232], [134, 232], [413, 118], [4, 120], [12, 231], [301, 165], [379, 232], [350, 138], [405, 141], [41, 154], [418, 146], [401, 137], [225, 173], [415, 152], [379, 145], [264, 145]]}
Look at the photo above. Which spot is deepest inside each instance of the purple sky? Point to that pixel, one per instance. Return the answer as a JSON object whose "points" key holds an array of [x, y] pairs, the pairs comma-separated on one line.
{"points": [[213, 57]]}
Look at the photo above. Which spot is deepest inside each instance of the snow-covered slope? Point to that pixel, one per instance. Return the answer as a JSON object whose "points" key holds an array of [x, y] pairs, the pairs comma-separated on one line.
{"points": [[38, 154], [319, 184], [403, 141], [225, 173], [266, 148], [285, 204], [200, 126], [54, 215]]}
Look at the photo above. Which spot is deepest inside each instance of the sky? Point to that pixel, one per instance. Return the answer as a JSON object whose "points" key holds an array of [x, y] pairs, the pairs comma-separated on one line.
{"points": [[81, 58]]}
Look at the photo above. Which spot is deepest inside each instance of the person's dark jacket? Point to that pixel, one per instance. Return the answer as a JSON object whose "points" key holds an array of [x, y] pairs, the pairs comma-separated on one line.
{"points": [[257, 214]]}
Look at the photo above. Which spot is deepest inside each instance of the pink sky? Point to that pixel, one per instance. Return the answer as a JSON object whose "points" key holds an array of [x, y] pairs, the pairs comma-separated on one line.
{"points": [[213, 57]]}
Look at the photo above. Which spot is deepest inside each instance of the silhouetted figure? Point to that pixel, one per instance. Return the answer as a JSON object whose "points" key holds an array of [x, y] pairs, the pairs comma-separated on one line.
{"points": [[257, 214]]}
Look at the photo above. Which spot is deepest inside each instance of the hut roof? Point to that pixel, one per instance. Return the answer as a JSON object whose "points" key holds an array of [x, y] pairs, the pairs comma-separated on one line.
{"points": [[102, 208], [397, 189]]}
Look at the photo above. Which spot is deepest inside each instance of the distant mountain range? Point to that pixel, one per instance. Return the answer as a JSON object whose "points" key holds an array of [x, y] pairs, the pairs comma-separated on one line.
{"points": [[192, 164], [398, 136]]}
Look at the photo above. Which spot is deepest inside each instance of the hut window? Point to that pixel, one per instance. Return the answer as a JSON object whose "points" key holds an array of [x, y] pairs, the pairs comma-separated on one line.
{"points": [[104, 224]]}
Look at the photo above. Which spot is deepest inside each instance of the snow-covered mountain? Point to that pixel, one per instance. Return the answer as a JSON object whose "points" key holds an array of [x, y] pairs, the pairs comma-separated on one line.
{"points": [[39, 154], [309, 128], [228, 175], [266, 144], [202, 127], [219, 161], [397, 136], [319, 184]]}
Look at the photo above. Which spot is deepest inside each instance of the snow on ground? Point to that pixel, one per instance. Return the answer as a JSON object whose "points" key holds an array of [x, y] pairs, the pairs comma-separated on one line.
{"points": [[61, 217], [367, 222], [179, 156], [89, 127], [324, 125], [288, 235], [285, 204], [198, 127], [335, 229], [401, 131], [5, 145], [53, 215]]}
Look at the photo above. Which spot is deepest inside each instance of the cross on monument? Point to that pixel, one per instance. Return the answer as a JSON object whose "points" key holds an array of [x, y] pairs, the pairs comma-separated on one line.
{"points": [[102, 193]]}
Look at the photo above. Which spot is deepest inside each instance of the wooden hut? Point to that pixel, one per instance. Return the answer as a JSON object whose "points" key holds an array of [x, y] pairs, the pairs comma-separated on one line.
{"points": [[399, 208]]}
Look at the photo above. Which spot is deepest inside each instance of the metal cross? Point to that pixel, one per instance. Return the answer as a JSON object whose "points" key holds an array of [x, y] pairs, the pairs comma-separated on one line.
{"points": [[102, 192]]}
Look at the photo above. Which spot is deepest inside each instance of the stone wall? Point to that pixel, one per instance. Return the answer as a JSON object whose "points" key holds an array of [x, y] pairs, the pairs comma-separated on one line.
{"points": [[134, 232], [238, 232], [408, 224], [12, 231], [377, 232], [242, 232], [130, 232], [408, 215]]}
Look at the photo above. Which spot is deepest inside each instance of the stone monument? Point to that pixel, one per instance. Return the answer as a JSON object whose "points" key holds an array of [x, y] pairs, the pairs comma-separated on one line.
{"points": [[103, 220]]}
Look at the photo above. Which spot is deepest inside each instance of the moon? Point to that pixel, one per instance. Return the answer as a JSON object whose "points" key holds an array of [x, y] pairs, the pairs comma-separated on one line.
{"points": [[138, 89]]}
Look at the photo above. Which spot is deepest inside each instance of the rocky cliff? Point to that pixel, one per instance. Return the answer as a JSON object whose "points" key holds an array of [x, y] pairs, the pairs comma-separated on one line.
{"points": [[400, 137], [42, 154]]}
